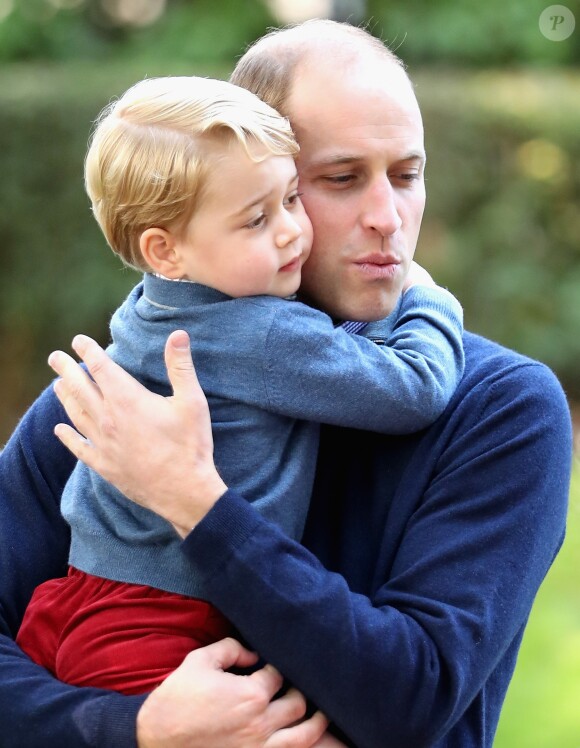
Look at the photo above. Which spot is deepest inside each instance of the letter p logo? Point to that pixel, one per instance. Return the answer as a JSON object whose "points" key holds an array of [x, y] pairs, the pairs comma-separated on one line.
{"points": [[557, 23]]}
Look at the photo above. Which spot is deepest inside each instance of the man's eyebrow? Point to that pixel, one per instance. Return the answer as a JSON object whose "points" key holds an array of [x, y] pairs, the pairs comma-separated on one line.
{"points": [[339, 160], [414, 156]]}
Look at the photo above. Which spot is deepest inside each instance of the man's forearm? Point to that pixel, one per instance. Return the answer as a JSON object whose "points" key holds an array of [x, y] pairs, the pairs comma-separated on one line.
{"points": [[38, 711], [451, 603], [35, 709]]}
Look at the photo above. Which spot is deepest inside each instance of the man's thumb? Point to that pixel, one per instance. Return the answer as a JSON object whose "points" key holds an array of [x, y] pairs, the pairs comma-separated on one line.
{"points": [[178, 361]]}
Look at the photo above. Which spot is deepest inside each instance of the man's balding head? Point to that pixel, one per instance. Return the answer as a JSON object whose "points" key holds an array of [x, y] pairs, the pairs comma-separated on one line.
{"points": [[270, 66]]}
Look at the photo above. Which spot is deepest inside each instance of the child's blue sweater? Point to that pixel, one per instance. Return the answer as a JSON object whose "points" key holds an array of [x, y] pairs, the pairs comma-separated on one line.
{"points": [[271, 369]]}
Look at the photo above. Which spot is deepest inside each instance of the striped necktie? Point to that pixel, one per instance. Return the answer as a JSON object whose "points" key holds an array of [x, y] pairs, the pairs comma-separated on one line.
{"points": [[353, 327]]}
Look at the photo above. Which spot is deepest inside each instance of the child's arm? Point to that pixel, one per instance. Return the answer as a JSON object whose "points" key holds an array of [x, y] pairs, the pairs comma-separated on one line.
{"points": [[317, 372]]}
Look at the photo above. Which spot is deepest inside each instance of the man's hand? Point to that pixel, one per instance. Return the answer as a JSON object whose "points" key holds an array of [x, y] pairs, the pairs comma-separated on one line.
{"points": [[158, 451], [201, 706]]}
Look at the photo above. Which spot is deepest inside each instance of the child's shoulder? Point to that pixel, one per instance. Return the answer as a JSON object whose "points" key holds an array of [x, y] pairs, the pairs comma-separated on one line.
{"points": [[276, 305], [286, 315]]}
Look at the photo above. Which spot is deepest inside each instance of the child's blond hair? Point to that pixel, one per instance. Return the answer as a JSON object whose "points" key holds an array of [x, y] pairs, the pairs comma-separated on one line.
{"points": [[148, 158]]}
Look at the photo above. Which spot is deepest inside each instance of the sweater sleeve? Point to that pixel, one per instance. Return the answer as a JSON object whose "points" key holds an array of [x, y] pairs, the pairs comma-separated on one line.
{"points": [[35, 709], [316, 372], [407, 661]]}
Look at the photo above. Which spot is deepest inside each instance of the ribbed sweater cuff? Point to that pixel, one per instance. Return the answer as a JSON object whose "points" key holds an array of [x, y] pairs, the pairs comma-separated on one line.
{"points": [[226, 527], [438, 299]]}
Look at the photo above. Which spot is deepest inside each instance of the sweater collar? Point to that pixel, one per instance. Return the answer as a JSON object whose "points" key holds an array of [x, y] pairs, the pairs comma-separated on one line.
{"points": [[172, 293]]}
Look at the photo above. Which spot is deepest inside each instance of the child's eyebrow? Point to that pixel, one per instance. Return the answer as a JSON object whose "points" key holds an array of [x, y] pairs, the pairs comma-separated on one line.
{"points": [[260, 199], [252, 204]]}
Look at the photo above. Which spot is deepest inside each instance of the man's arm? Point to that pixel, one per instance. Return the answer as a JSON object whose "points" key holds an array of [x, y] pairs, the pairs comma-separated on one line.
{"points": [[35, 709], [408, 662], [438, 635], [452, 605], [38, 710]]}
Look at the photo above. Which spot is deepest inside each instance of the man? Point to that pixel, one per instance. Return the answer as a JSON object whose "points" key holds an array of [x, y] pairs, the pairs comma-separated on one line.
{"points": [[403, 619]]}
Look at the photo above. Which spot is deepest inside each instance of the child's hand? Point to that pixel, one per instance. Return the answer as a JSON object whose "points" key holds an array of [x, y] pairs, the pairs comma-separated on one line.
{"points": [[418, 276]]}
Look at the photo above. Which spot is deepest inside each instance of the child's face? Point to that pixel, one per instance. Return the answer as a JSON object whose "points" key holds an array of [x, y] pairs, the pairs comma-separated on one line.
{"points": [[250, 234]]}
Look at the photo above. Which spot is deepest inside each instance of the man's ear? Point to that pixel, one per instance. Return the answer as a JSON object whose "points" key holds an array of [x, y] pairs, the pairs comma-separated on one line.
{"points": [[159, 252]]}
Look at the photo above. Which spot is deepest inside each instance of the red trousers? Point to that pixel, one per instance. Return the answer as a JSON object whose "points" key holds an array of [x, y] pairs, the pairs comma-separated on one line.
{"points": [[89, 631]]}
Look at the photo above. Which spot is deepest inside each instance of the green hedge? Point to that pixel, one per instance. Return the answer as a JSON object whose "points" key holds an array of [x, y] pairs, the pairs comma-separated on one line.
{"points": [[471, 32], [192, 30], [462, 32], [501, 227]]}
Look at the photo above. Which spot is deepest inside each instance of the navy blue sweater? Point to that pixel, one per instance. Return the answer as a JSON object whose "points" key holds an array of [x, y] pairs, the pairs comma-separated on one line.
{"points": [[403, 620]]}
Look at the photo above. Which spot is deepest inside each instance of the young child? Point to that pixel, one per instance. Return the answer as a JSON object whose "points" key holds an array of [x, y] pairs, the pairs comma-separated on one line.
{"points": [[193, 181]]}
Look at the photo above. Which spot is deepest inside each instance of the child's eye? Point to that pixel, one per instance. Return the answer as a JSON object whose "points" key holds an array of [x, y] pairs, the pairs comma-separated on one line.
{"points": [[293, 199], [256, 222]]}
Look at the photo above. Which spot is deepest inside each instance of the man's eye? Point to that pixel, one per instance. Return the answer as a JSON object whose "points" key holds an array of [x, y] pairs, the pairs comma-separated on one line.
{"points": [[340, 178], [408, 177], [256, 222]]}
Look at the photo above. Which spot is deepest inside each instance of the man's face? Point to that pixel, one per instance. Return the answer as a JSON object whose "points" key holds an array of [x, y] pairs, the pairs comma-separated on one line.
{"points": [[361, 167]]}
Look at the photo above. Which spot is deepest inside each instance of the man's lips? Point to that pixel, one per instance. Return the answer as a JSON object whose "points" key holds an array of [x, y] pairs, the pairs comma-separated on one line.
{"points": [[378, 265], [378, 259]]}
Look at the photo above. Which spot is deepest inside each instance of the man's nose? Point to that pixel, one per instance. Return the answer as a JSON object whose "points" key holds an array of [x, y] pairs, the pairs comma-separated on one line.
{"points": [[380, 208]]}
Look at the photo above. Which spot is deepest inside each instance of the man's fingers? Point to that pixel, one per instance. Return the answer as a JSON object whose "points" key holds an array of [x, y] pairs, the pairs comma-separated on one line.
{"points": [[75, 411], [329, 741], [89, 351], [287, 710], [108, 375], [59, 361], [227, 653], [303, 735], [75, 387], [79, 396], [76, 443], [180, 368], [269, 679]]}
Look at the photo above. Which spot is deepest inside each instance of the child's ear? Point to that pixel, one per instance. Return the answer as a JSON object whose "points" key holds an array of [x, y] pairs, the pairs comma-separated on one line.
{"points": [[159, 252]]}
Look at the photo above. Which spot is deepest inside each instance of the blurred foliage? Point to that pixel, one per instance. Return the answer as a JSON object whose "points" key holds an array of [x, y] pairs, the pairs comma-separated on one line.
{"points": [[501, 227], [471, 32], [195, 30], [466, 32], [541, 708]]}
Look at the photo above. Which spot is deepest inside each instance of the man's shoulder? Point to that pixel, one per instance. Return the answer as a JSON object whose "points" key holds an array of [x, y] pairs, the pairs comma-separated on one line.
{"points": [[483, 355], [491, 368]]}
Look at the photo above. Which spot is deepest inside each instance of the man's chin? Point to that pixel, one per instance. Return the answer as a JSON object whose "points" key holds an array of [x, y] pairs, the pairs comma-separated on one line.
{"points": [[356, 306], [371, 310]]}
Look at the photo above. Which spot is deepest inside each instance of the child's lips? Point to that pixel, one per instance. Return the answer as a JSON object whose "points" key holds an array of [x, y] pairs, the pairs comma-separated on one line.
{"points": [[291, 266]]}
